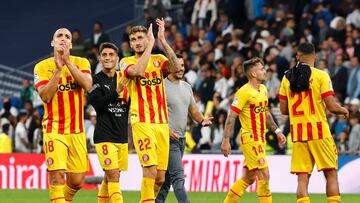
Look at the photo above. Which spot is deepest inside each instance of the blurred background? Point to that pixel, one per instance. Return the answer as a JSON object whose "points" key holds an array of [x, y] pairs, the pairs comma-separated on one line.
{"points": [[213, 36]]}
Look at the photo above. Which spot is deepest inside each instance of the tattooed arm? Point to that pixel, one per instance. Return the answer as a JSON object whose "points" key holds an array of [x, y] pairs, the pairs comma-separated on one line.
{"points": [[229, 125], [270, 124], [174, 64]]}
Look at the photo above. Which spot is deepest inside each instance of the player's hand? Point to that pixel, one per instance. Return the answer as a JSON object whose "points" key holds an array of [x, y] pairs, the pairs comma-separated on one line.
{"points": [[281, 138], [226, 147], [121, 85], [174, 136], [206, 122], [66, 53], [58, 61], [161, 32], [150, 35]]}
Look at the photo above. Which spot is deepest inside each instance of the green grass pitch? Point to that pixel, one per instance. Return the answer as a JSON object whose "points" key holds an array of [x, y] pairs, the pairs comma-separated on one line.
{"points": [[89, 196]]}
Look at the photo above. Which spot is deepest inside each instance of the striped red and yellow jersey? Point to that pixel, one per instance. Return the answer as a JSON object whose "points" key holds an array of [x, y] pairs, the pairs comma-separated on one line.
{"points": [[64, 114], [148, 99], [307, 109], [124, 96], [252, 106]]}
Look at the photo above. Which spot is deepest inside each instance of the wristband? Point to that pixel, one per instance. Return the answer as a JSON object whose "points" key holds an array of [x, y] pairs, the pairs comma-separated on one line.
{"points": [[277, 131]]}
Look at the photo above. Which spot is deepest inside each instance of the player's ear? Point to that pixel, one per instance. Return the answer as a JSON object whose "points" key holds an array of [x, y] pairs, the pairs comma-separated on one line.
{"points": [[70, 45], [52, 43]]}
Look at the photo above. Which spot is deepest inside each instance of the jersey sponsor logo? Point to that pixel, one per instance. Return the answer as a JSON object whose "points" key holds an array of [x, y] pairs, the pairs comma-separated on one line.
{"points": [[50, 161], [107, 161], [153, 82], [67, 87], [145, 158], [259, 109]]}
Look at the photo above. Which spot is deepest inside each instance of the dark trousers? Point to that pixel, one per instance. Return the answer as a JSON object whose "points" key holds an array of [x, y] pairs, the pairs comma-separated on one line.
{"points": [[175, 174]]}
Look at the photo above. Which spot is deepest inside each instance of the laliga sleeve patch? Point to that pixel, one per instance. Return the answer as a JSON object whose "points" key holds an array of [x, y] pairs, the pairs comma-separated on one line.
{"points": [[235, 102], [123, 65]]}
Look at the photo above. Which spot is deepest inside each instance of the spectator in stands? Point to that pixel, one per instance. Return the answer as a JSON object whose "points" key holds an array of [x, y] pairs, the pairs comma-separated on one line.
{"points": [[79, 47], [26, 93], [353, 83], [217, 130], [353, 146], [339, 75], [323, 30], [22, 143], [125, 50], [354, 17], [204, 14], [5, 140], [207, 84], [273, 84], [155, 9], [98, 36], [325, 53]]}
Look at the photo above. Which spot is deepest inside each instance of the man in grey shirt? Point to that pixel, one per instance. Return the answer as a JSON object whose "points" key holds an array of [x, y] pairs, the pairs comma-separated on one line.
{"points": [[179, 97]]}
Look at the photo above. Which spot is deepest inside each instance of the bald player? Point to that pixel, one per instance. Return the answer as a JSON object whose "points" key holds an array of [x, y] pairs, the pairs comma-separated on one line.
{"points": [[61, 81]]}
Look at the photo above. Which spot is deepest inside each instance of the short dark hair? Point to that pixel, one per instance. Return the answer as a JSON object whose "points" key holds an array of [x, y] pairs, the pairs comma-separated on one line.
{"points": [[137, 28], [179, 56], [108, 45], [249, 64], [306, 48]]}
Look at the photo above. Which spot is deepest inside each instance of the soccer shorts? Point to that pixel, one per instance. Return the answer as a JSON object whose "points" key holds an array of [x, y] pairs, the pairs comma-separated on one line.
{"points": [[112, 155], [255, 155], [305, 154], [66, 152], [151, 142]]}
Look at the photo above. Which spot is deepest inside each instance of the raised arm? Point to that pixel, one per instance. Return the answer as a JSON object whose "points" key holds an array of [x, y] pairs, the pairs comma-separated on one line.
{"points": [[83, 79], [174, 64], [138, 69], [46, 92]]}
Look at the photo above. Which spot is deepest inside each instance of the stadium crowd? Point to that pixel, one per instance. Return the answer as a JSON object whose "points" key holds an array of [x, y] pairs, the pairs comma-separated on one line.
{"points": [[215, 37]]}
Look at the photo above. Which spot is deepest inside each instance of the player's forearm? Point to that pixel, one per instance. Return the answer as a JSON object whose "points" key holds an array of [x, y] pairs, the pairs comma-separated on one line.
{"points": [[83, 79], [170, 54], [229, 126], [270, 123], [47, 92], [100, 102], [138, 69]]}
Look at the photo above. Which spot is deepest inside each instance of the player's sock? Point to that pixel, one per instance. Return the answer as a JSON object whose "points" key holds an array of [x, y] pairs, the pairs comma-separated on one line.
{"points": [[303, 200], [69, 193], [236, 191], [114, 192], [156, 189], [56, 194], [264, 194], [334, 199], [147, 190], [103, 195]]}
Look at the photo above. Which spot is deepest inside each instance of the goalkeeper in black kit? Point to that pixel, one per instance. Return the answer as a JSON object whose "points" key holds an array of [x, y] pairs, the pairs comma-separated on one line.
{"points": [[110, 99]]}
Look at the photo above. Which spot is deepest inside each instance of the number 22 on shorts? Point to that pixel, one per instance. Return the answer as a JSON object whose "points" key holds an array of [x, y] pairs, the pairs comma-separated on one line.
{"points": [[144, 144]]}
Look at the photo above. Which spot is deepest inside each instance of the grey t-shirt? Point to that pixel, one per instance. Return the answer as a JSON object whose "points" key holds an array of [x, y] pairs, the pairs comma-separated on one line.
{"points": [[179, 98]]}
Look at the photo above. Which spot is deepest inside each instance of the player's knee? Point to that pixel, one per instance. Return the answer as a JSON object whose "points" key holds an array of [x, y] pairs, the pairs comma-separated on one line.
{"points": [[150, 172], [112, 175], [56, 177], [330, 174], [159, 180]]}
